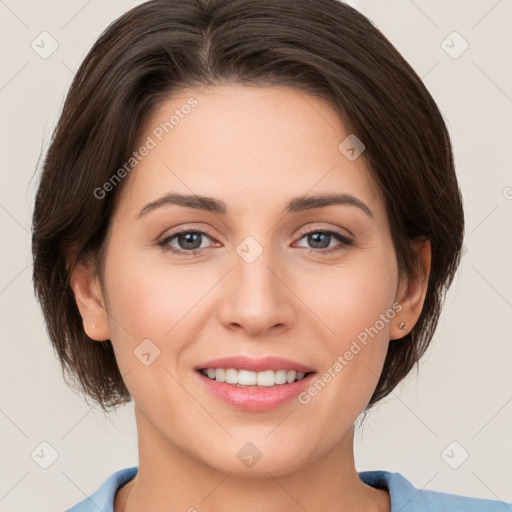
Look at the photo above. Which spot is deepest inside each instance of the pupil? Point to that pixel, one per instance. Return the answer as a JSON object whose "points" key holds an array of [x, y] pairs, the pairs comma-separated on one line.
{"points": [[314, 240], [188, 238]]}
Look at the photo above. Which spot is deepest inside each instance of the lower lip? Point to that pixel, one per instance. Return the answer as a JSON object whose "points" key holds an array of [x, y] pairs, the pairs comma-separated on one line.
{"points": [[256, 399]]}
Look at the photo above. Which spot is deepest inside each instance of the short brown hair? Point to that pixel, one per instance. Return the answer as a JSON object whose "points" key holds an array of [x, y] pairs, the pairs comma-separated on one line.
{"points": [[321, 47]]}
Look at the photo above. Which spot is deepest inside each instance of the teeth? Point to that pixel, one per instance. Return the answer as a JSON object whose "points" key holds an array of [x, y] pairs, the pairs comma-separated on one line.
{"points": [[266, 378]]}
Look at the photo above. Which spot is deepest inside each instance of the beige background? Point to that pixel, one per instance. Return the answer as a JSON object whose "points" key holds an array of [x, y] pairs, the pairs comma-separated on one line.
{"points": [[463, 392]]}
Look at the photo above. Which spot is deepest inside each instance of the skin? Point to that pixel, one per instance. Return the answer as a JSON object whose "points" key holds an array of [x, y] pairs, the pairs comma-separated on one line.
{"points": [[255, 148]]}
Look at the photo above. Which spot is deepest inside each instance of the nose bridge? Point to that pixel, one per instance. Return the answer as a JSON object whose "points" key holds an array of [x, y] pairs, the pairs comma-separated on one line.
{"points": [[256, 283], [254, 277], [258, 300]]}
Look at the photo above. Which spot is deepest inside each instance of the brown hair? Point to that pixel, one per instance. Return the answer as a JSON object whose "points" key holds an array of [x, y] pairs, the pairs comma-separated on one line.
{"points": [[321, 47]]}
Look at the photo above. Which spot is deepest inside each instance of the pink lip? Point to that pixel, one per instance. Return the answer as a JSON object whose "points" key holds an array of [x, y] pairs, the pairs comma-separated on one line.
{"points": [[255, 365], [253, 398]]}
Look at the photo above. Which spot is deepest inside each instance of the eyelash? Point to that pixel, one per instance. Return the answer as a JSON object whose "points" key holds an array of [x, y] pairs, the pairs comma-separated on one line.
{"points": [[345, 241]]}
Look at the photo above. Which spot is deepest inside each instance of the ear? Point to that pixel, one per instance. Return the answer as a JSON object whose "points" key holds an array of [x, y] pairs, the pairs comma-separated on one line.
{"points": [[90, 301], [411, 292]]}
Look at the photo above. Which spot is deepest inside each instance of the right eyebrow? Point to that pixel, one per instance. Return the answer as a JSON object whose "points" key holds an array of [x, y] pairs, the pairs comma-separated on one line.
{"points": [[190, 201]]}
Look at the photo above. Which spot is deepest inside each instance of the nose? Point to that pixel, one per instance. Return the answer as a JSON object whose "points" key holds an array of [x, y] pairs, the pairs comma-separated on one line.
{"points": [[257, 297]]}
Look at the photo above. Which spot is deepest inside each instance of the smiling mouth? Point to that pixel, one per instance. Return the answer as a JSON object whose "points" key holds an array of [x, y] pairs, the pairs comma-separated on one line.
{"points": [[251, 379]]}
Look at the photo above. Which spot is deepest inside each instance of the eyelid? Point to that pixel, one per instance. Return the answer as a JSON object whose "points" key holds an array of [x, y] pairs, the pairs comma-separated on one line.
{"points": [[335, 230], [182, 228]]}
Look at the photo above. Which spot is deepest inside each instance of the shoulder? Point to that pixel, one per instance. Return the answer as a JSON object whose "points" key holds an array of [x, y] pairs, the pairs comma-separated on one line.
{"points": [[103, 498], [407, 498]]}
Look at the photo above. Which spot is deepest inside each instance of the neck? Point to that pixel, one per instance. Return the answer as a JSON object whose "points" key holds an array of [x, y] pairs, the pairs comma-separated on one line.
{"points": [[169, 478]]}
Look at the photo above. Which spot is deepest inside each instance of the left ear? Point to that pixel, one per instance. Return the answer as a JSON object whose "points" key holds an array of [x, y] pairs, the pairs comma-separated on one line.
{"points": [[411, 292]]}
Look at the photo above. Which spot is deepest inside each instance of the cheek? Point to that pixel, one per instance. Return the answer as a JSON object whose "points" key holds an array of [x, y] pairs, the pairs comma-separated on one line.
{"points": [[357, 304], [151, 299], [351, 297], [155, 303]]}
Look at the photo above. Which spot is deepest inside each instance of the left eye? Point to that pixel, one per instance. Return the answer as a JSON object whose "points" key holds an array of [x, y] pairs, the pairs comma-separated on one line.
{"points": [[321, 240]]}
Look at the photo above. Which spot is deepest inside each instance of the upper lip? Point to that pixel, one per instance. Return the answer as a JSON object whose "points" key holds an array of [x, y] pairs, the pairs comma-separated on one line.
{"points": [[256, 365]]}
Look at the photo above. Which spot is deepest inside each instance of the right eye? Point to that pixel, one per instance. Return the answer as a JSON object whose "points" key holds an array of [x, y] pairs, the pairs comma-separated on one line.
{"points": [[189, 242]]}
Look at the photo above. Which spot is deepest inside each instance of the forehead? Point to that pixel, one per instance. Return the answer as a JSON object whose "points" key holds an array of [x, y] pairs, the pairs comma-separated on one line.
{"points": [[246, 145]]}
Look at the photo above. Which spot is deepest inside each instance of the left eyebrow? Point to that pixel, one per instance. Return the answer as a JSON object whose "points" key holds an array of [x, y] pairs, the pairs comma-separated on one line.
{"points": [[297, 204], [322, 200]]}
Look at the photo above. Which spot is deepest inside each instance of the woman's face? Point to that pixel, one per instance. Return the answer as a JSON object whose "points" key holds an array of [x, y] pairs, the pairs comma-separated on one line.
{"points": [[306, 284]]}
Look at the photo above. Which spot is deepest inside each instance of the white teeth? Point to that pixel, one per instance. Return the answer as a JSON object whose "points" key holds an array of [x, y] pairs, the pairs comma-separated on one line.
{"points": [[231, 376], [247, 378], [281, 376], [266, 378]]}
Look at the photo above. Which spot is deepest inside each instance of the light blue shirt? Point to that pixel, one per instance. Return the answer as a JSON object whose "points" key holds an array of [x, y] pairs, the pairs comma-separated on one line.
{"points": [[404, 496]]}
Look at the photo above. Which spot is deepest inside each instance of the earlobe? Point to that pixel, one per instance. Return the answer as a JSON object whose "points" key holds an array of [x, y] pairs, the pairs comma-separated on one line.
{"points": [[89, 298], [412, 293]]}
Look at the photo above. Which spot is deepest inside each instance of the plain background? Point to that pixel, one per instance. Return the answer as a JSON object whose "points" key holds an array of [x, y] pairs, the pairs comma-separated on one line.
{"points": [[463, 392]]}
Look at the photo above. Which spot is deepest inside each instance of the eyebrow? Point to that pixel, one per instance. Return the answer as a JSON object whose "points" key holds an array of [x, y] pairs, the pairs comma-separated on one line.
{"points": [[297, 204]]}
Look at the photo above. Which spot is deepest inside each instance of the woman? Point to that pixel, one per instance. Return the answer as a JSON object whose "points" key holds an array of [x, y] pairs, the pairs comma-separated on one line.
{"points": [[246, 221]]}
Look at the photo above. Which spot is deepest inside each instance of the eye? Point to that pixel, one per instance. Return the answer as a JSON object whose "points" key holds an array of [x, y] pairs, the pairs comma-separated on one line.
{"points": [[189, 242], [321, 240]]}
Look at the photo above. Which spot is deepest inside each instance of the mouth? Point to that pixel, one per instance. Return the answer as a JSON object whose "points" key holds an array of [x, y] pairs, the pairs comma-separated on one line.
{"points": [[251, 391], [252, 379], [255, 385]]}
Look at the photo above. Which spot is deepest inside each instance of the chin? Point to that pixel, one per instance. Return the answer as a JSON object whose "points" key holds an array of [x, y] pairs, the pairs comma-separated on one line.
{"points": [[253, 460]]}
